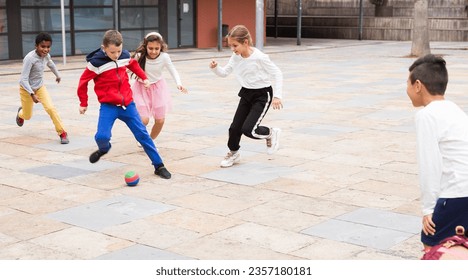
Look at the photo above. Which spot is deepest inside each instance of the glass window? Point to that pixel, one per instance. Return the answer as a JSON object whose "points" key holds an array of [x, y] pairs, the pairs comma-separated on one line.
{"points": [[138, 2], [43, 19], [78, 3], [86, 42], [94, 18], [151, 18], [139, 17], [131, 17], [36, 3], [4, 53], [132, 39], [56, 49], [3, 21]]}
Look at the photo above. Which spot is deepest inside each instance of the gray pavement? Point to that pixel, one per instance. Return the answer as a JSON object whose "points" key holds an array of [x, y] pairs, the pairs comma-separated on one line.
{"points": [[343, 185]]}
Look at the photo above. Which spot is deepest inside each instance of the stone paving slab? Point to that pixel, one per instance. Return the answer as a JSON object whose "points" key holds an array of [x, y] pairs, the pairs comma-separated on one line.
{"points": [[359, 234], [141, 252], [383, 219], [89, 245], [78, 143], [57, 171], [249, 174], [109, 212], [150, 233], [383, 229]]}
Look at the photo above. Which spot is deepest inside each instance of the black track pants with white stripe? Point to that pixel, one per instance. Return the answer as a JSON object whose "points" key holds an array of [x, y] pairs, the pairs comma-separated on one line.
{"points": [[252, 108]]}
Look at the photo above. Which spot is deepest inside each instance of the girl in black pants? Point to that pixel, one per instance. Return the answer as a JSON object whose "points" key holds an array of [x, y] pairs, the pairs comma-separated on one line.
{"points": [[253, 70]]}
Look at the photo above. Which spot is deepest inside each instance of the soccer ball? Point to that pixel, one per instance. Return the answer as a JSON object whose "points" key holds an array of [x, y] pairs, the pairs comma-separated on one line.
{"points": [[132, 178]]}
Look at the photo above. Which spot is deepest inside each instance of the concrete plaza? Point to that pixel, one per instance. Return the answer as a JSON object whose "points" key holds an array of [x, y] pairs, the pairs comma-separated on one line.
{"points": [[343, 185]]}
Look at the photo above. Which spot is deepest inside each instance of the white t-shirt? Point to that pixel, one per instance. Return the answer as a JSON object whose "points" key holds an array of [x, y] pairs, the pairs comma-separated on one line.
{"points": [[253, 72], [442, 142]]}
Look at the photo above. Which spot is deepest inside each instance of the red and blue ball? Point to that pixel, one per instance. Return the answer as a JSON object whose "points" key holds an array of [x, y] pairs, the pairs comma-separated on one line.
{"points": [[132, 178]]}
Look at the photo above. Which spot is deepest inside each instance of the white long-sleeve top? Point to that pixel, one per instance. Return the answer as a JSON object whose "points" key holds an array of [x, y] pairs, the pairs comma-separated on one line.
{"points": [[32, 74], [442, 144], [154, 68], [253, 72]]}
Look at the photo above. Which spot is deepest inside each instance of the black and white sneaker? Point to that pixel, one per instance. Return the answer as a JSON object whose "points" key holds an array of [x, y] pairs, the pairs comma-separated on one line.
{"points": [[273, 141]]}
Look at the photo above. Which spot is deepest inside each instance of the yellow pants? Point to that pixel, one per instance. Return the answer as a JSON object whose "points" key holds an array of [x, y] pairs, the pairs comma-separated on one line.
{"points": [[43, 95]]}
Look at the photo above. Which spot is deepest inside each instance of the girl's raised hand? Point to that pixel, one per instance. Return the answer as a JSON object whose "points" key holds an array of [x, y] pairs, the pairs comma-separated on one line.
{"points": [[213, 64]]}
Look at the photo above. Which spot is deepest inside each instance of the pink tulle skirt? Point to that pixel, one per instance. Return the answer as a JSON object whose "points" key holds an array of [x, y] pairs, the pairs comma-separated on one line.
{"points": [[152, 102]]}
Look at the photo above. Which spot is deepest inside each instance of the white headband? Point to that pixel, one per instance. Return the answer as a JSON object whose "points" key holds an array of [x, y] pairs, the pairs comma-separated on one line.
{"points": [[153, 33]]}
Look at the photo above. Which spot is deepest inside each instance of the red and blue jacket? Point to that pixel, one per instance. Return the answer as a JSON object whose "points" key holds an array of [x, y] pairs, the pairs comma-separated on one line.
{"points": [[111, 82]]}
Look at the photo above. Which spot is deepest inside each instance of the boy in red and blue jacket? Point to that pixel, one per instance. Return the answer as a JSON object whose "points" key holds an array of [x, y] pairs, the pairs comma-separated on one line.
{"points": [[107, 66]]}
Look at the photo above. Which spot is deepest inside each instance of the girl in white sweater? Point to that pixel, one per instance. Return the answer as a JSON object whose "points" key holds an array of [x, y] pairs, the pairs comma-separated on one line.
{"points": [[253, 70]]}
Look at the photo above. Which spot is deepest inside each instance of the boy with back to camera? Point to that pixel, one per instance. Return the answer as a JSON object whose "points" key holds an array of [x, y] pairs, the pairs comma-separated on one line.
{"points": [[107, 66], [442, 145], [32, 88]]}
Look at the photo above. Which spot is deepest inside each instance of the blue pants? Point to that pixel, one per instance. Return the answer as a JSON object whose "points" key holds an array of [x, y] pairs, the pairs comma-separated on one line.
{"points": [[108, 113]]}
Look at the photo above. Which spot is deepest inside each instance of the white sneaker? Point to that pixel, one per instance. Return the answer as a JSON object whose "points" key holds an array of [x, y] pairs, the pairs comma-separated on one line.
{"points": [[230, 159], [273, 141]]}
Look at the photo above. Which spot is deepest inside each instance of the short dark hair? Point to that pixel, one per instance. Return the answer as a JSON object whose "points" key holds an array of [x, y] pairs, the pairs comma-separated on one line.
{"points": [[112, 37], [43, 36], [431, 70]]}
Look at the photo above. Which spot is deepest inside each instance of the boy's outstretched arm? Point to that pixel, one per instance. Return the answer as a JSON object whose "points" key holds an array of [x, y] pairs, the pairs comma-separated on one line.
{"points": [[135, 68], [82, 90]]}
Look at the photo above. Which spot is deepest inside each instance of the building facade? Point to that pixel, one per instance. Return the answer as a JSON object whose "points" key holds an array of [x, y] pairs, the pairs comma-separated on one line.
{"points": [[382, 20], [183, 23]]}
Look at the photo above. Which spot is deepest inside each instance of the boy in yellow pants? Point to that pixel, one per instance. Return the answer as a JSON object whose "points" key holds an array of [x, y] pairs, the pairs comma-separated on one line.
{"points": [[32, 88]]}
